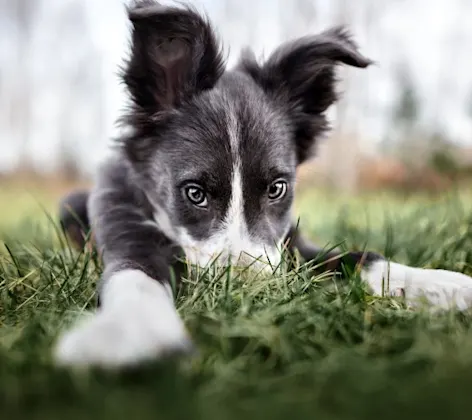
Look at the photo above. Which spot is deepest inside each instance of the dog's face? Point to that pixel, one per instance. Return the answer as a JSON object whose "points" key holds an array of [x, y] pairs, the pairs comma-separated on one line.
{"points": [[228, 165], [217, 151]]}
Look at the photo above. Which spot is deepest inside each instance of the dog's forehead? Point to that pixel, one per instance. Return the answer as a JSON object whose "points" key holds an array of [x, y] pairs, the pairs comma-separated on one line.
{"points": [[235, 119]]}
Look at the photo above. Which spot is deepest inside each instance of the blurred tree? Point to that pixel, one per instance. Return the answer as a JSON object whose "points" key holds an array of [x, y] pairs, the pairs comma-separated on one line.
{"points": [[408, 144], [82, 72], [441, 157], [406, 112], [306, 9], [23, 14], [342, 146], [298, 20], [469, 106]]}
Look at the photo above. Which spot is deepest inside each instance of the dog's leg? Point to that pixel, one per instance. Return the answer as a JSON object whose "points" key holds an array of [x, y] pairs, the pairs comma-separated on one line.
{"points": [[74, 219], [439, 288], [137, 319]]}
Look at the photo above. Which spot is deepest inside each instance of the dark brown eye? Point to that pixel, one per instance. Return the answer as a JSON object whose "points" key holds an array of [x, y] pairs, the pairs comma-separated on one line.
{"points": [[196, 195], [277, 190]]}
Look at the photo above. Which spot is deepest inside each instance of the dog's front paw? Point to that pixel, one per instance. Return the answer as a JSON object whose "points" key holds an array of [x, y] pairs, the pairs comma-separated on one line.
{"points": [[115, 339], [439, 288]]}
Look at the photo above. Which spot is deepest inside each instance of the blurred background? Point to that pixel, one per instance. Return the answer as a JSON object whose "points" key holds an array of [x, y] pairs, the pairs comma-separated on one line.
{"points": [[403, 125]]}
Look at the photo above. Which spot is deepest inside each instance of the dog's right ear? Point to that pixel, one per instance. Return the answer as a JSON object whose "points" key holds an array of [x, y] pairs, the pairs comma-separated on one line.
{"points": [[174, 55]]}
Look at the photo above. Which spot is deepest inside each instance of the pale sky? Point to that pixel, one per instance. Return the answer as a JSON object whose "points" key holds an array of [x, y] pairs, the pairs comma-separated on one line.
{"points": [[431, 36]]}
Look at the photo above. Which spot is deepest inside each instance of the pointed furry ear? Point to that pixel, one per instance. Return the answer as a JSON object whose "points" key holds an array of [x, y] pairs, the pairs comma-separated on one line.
{"points": [[301, 75], [174, 55]]}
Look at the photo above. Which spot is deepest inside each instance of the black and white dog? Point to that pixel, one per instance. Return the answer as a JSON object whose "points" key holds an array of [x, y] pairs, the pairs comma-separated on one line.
{"points": [[206, 171]]}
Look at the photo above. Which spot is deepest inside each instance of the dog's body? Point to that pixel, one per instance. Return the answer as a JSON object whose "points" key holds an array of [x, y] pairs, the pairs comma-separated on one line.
{"points": [[207, 172]]}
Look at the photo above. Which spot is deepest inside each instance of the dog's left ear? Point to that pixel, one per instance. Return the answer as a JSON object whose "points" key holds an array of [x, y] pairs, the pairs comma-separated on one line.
{"points": [[301, 75]]}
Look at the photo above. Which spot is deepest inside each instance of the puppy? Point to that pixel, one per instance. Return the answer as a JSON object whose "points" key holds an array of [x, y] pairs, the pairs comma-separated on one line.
{"points": [[206, 171]]}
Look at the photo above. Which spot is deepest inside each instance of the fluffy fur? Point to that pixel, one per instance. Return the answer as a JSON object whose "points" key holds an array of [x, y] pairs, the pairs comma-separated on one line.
{"points": [[206, 171]]}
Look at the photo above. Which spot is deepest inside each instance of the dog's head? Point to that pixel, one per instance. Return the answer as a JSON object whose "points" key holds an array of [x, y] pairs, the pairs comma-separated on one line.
{"points": [[216, 151]]}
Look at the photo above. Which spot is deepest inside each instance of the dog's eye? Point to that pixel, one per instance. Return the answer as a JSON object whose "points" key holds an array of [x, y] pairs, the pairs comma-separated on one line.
{"points": [[277, 190], [196, 195]]}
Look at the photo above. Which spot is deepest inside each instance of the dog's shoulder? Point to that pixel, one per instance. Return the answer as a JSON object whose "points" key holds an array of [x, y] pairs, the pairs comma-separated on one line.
{"points": [[113, 170], [115, 182]]}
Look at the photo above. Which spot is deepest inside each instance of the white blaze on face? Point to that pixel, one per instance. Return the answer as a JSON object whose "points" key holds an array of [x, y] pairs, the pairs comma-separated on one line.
{"points": [[232, 242]]}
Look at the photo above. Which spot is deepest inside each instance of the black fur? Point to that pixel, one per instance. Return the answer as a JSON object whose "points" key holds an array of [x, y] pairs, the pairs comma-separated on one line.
{"points": [[192, 121], [206, 171], [74, 218]]}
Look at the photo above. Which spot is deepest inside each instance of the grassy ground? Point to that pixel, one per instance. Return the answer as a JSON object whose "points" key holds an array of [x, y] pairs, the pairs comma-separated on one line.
{"points": [[275, 348]]}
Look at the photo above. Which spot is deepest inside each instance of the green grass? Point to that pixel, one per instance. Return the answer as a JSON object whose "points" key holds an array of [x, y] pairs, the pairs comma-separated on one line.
{"points": [[284, 347]]}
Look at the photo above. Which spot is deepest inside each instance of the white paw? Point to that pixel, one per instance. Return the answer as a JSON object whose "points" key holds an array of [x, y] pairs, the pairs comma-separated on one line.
{"points": [[440, 288], [138, 322], [113, 339]]}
